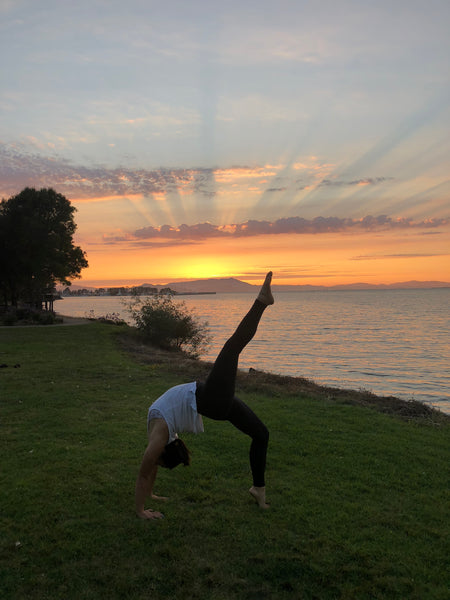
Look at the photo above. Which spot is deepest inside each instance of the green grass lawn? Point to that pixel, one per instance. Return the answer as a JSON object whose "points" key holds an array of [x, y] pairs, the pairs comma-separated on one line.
{"points": [[359, 499]]}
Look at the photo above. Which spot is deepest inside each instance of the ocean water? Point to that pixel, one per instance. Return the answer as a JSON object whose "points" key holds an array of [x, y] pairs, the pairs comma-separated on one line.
{"points": [[390, 342]]}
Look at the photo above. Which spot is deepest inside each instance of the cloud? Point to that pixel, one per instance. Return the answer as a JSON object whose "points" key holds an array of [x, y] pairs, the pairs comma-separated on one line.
{"points": [[26, 164], [289, 225], [358, 182], [20, 167], [405, 255]]}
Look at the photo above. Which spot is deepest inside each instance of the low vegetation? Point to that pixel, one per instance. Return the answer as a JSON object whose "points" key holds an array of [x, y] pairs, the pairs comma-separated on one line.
{"points": [[28, 316], [359, 498], [169, 324]]}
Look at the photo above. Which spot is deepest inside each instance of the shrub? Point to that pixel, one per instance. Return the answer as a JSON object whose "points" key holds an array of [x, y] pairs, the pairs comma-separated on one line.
{"points": [[110, 318], [28, 316], [169, 324], [9, 317]]}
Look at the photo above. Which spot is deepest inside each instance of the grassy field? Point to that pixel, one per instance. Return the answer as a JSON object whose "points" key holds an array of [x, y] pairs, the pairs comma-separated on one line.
{"points": [[359, 499]]}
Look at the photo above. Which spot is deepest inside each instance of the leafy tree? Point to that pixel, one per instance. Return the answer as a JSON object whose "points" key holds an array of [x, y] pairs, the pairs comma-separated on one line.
{"points": [[36, 246], [169, 324]]}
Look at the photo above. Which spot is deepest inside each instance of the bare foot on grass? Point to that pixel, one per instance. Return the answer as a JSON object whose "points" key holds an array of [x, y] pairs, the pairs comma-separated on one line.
{"points": [[155, 497], [259, 494], [150, 515], [265, 294]]}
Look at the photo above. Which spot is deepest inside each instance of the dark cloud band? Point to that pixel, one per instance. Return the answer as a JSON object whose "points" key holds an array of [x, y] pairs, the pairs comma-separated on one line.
{"points": [[288, 225]]}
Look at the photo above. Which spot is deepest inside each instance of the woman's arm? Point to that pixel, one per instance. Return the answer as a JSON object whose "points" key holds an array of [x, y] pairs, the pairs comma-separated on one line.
{"points": [[158, 438]]}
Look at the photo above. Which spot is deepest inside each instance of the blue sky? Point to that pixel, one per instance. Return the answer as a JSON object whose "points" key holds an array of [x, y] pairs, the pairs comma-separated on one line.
{"points": [[147, 113]]}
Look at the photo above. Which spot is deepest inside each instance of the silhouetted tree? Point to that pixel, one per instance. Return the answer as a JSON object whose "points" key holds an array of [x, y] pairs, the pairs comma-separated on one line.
{"points": [[36, 246]]}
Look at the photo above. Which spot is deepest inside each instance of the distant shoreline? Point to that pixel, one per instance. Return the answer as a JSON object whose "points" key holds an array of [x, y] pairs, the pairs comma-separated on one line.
{"points": [[277, 289]]}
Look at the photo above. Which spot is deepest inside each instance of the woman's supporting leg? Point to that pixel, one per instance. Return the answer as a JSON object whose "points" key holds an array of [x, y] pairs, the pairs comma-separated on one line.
{"points": [[242, 417]]}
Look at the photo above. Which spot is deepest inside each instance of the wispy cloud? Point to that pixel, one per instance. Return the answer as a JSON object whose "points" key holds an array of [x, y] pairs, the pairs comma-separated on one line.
{"points": [[358, 182], [33, 164], [19, 168], [402, 255]]}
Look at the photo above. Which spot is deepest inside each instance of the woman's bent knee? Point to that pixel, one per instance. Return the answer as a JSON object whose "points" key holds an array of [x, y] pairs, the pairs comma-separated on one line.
{"points": [[262, 435]]}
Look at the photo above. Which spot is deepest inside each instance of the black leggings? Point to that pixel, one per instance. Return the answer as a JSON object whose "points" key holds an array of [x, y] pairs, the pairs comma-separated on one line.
{"points": [[216, 399]]}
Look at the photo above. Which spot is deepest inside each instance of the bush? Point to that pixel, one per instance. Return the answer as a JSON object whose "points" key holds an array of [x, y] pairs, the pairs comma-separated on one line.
{"points": [[169, 324], [9, 317], [109, 318], [28, 316]]}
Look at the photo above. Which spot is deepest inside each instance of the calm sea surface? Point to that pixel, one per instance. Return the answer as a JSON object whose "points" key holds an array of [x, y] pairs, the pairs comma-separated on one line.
{"points": [[391, 342]]}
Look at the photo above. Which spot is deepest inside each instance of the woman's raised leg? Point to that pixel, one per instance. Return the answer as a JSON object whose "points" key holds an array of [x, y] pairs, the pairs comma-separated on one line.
{"points": [[215, 396]]}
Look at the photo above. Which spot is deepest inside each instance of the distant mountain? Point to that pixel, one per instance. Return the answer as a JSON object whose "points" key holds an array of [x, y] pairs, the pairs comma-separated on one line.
{"points": [[420, 284], [210, 285], [236, 286], [392, 286]]}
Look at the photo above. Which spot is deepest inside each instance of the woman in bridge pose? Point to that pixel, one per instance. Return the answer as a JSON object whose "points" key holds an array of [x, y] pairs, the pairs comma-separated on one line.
{"points": [[180, 409]]}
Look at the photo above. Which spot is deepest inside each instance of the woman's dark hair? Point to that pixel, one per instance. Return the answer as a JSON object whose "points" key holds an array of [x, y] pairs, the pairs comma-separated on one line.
{"points": [[175, 453]]}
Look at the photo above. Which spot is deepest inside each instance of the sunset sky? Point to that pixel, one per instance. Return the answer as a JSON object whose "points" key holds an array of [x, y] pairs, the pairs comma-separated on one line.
{"points": [[203, 139]]}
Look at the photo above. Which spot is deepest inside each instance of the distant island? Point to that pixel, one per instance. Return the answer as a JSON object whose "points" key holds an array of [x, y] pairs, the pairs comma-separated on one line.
{"points": [[233, 285]]}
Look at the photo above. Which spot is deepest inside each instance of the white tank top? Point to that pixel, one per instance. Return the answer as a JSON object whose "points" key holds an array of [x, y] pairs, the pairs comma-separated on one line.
{"points": [[178, 408]]}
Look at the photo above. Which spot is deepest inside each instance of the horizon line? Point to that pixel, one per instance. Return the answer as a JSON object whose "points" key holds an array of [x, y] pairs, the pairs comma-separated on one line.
{"points": [[420, 284]]}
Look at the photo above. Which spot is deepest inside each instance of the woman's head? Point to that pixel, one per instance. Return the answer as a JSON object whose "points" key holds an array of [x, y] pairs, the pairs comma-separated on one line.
{"points": [[174, 454]]}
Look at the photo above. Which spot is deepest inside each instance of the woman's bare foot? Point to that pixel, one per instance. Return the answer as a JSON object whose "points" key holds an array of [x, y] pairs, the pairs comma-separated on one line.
{"points": [[259, 494], [150, 514], [155, 497], [265, 294]]}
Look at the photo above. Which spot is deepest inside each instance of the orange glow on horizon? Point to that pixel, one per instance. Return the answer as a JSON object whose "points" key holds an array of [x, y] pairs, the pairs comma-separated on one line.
{"points": [[296, 260]]}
